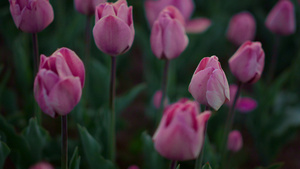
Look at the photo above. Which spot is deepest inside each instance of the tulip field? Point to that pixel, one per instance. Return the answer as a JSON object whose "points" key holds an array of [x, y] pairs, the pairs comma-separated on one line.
{"points": [[149, 84]]}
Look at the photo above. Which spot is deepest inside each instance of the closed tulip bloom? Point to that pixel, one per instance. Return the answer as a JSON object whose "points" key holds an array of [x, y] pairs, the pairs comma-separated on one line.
{"points": [[157, 99], [87, 7], [235, 141], [59, 82], [133, 167], [113, 30], [42, 165], [241, 28], [248, 62], [180, 134], [168, 38], [31, 16], [281, 19], [209, 84]]}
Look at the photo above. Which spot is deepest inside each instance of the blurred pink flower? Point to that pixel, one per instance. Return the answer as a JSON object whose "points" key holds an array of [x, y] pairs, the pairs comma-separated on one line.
{"points": [[87, 7], [157, 99], [42, 165], [133, 167], [235, 141]]}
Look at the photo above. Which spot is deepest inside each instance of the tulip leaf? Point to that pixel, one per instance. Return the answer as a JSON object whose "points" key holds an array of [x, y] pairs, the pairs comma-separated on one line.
{"points": [[178, 166], [92, 150], [4, 151], [206, 166], [75, 160], [272, 166]]}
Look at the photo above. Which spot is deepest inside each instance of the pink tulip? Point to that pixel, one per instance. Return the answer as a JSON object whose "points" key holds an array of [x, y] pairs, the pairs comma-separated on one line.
{"points": [[186, 8], [31, 16], [248, 62], [113, 30], [157, 99], [168, 38], [235, 141], [180, 134], [59, 82], [133, 167], [209, 84], [281, 19], [241, 28], [87, 7], [243, 104], [42, 165]]}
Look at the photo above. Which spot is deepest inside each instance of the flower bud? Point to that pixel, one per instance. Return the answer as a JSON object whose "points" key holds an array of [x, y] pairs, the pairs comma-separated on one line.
{"points": [[113, 31], [168, 38], [241, 28], [281, 19], [209, 84], [248, 62], [42, 165], [59, 82], [133, 167], [31, 16], [157, 99], [180, 134], [87, 7], [235, 141]]}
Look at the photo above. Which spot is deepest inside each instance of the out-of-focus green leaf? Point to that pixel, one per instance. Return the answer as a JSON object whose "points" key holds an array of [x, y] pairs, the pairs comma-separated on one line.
{"points": [[178, 166], [273, 166], [4, 151], [124, 101], [206, 166], [92, 150], [291, 119], [75, 160], [36, 138]]}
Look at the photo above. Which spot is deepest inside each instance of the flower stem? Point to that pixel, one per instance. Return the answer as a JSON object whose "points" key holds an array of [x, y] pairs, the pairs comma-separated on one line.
{"points": [[163, 91], [86, 58], [112, 108], [173, 164], [274, 59], [64, 142], [36, 61]]}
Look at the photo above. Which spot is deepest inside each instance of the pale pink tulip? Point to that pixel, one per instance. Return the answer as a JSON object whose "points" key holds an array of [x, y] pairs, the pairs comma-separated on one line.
{"points": [[87, 7]]}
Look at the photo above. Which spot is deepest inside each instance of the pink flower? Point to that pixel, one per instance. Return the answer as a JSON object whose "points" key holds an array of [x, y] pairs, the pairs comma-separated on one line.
{"points": [[281, 19], [209, 84], [31, 16], [157, 99], [243, 104], [87, 7], [248, 62], [59, 82], [235, 141], [133, 167], [42, 165], [186, 7], [113, 30], [168, 38], [180, 134], [241, 28]]}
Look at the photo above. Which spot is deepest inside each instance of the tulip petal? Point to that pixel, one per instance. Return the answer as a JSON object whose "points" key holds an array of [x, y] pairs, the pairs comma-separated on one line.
{"points": [[48, 79], [62, 67], [197, 25], [202, 120], [246, 104], [65, 95], [156, 40], [108, 10]]}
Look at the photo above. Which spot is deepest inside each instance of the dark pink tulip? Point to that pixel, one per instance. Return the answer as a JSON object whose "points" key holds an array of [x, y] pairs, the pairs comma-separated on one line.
{"points": [[241, 28], [42, 165], [113, 30], [186, 8], [133, 167], [243, 104], [31, 16], [180, 134], [281, 19], [168, 38], [59, 82], [87, 7], [209, 84], [235, 141], [248, 62], [157, 99]]}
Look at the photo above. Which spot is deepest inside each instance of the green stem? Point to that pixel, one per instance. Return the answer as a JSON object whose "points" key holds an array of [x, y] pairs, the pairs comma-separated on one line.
{"points": [[36, 61], [86, 58], [274, 58], [64, 142], [173, 164], [112, 140]]}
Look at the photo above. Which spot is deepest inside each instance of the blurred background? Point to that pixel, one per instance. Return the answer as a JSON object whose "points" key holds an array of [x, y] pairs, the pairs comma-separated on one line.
{"points": [[270, 132]]}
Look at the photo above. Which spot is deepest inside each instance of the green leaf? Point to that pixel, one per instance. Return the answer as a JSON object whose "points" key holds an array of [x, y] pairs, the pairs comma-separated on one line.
{"points": [[206, 166], [272, 166], [75, 160], [124, 101], [36, 137], [4, 151], [92, 150], [178, 166]]}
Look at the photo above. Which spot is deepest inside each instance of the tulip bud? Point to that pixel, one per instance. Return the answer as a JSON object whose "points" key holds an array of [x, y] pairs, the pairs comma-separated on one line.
{"points": [[87, 7], [31, 16], [248, 62], [281, 19], [133, 167], [113, 30], [180, 134], [168, 38], [241, 28], [59, 82], [42, 165], [209, 84], [157, 99], [235, 141]]}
